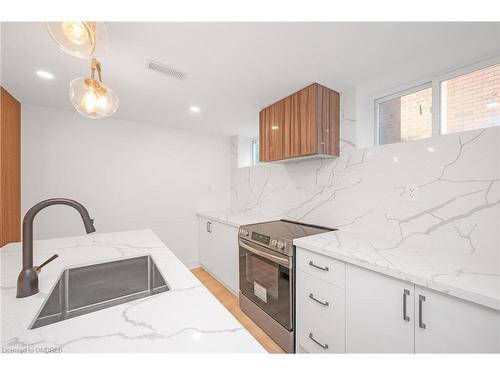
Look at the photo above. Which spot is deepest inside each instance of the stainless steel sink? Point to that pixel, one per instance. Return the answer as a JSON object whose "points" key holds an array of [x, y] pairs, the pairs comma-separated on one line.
{"points": [[83, 290]]}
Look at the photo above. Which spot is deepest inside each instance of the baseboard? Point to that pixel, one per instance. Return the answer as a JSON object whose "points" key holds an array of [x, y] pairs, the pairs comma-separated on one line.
{"points": [[236, 293], [192, 264]]}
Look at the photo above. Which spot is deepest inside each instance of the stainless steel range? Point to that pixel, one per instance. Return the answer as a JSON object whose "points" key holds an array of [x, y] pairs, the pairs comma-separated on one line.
{"points": [[267, 279]]}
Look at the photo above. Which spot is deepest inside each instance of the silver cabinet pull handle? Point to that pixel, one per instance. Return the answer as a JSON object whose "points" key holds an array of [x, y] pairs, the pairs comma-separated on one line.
{"points": [[318, 267], [406, 292], [421, 300], [326, 303], [209, 227], [324, 346]]}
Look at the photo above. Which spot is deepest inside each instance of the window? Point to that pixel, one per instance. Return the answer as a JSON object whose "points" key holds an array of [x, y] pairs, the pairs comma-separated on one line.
{"points": [[405, 117], [470, 101], [464, 100], [255, 151]]}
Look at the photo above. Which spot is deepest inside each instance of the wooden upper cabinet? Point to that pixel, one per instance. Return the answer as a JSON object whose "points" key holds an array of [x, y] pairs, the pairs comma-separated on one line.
{"points": [[306, 123]]}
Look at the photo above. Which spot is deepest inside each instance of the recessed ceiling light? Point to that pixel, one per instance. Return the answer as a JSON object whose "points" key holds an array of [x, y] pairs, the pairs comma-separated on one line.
{"points": [[491, 104], [44, 74], [194, 109]]}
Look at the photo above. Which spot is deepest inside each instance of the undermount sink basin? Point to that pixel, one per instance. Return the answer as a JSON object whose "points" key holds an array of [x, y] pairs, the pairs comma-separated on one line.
{"points": [[86, 289]]}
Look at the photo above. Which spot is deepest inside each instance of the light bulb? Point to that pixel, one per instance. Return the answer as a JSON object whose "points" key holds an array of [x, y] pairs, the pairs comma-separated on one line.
{"points": [[75, 32], [102, 100], [92, 98], [79, 38], [96, 101], [90, 101]]}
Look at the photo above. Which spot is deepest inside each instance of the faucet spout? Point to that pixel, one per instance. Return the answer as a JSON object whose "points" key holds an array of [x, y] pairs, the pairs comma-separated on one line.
{"points": [[27, 282]]}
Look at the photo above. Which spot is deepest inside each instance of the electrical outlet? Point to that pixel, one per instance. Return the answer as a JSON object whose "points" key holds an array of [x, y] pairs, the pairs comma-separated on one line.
{"points": [[412, 193]]}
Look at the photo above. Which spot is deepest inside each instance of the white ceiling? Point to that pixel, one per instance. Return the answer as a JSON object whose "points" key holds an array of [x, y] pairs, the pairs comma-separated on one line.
{"points": [[234, 69]]}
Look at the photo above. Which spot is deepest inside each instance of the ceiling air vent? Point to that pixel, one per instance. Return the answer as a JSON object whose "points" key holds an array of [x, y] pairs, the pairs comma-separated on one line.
{"points": [[157, 67]]}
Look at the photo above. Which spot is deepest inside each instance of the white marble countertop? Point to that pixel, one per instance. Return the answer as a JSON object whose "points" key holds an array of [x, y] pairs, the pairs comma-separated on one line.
{"points": [[187, 318], [235, 218], [468, 277]]}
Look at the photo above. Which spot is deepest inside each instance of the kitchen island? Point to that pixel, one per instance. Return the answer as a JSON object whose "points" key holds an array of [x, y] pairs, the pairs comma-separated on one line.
{"points": [[187, 318]]}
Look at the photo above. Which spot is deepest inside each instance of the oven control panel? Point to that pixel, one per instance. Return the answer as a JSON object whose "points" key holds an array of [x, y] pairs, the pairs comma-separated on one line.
{"points": [[261, 238], [276, 244]]}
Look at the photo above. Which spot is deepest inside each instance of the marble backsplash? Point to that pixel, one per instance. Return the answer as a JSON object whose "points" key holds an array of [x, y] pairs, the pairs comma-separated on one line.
{"points": [[364, 191]]}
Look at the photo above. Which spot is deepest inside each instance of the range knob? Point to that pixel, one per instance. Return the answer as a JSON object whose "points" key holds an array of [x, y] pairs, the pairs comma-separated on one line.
{"points": [[243, 232], [274, 243], [281, 245]]}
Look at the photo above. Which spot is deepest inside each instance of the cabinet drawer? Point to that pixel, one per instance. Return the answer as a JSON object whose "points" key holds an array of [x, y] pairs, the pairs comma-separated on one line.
{"points": [[320, 315], [325, 268]]}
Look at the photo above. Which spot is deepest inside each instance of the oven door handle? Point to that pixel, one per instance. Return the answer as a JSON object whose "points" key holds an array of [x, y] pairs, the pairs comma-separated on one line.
{"points": [[284, 261]]}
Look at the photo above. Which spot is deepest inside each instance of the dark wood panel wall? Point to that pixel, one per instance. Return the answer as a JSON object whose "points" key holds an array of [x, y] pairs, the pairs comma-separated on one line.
{"points": [[10, 168]]}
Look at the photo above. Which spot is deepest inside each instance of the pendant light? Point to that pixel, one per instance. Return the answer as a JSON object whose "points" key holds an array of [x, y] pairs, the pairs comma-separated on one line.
{"points": [[81, 38], [91, 97]]}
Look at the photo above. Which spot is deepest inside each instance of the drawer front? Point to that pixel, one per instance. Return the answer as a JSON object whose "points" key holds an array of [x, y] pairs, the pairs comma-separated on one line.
{"points": [[322, 267], [320, 315]]}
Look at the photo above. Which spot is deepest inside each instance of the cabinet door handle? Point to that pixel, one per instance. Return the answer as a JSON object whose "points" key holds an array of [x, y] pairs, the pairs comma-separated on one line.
{"points": [[326, 303], [209, 227], [318, 267], [406, 293], [324, 346], [421, 300]]}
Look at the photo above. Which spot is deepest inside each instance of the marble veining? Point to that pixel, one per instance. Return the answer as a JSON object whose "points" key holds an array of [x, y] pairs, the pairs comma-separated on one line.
{"points": [[166, 322], [452, 228], [409, 264], [235, 218]]}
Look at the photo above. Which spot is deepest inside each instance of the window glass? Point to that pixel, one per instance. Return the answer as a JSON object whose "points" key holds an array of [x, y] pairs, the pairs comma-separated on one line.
{"points": [[255, 152], [471, 101], [406, 117]]}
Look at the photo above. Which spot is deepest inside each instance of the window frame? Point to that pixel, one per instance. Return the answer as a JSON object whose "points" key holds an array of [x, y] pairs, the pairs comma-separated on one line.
{"points": [[253, 142], [410, 90], [433, 82]]}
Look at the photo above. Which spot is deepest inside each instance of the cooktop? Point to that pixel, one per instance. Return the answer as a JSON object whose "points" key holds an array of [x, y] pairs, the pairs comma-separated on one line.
{"points": [[279, 234]]}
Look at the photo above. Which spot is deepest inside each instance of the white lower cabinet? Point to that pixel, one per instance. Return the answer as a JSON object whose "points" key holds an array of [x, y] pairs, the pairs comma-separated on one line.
{"points": [[320, 304], [379, 313], [369, 312], [218, 251], [320, 311], [445, 324]]}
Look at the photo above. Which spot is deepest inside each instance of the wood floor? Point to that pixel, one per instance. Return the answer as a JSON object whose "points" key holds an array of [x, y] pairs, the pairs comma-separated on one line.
{"points": [[231, 303]]}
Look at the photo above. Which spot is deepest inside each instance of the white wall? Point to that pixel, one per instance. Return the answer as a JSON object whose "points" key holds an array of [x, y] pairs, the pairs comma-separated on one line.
{"points": [[128, 175]]}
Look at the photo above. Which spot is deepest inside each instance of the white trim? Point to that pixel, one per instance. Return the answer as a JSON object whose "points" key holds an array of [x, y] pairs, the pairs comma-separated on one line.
{"points": [[403, 92], [252, 154], [466, 69], [434, 82], [436, 108], [442, 109], [191, 264], [235, 292], [408, 90], [437, 126]]}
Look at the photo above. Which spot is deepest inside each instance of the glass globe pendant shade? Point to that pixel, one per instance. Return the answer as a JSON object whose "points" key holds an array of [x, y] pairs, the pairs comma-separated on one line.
{"points": [[79, 38], [92, 98]]}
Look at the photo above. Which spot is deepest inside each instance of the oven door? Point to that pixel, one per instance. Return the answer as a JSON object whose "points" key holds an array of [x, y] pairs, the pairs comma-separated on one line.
{"points": [[266, 278]]}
